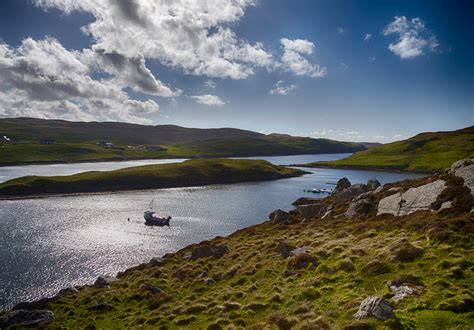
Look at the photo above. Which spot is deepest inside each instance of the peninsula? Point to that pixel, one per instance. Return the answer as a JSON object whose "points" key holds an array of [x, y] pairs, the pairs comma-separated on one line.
{"points": [[195, 172]]}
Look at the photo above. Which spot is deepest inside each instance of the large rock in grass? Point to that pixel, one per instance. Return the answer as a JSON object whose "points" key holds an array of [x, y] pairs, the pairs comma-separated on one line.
{"points": [[413, 200], [205, 251], [26, 318], [104, 281], [376, 307], [464, 169], [279, 216], [341, 185], [308, 212]]}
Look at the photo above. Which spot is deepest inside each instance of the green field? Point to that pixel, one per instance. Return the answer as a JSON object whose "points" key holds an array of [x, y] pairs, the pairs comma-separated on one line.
{"points": [[194, 172], [254, 286], [426, 152], [77, 141]]}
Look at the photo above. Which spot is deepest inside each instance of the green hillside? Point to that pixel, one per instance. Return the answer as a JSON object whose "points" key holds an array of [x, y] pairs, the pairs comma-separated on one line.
{"points": [[77, 141], [195, 172], [250, 279], [426, 152]]}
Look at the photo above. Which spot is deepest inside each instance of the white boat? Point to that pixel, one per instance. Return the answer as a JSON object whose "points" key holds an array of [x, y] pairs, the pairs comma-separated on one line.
{"points": [[152, 220]]}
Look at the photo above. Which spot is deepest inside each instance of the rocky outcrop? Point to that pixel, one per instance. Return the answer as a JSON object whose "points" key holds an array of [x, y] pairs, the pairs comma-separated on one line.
{"points": [[104, 281], [373, 184], [279, 216], [376, 307], [204, 251], [464, 169], [413, 200], [26, 318], [360, 205], [341, 185]]}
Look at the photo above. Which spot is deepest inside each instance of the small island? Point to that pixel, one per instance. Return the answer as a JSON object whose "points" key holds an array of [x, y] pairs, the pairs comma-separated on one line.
{"points": [[195, 172]]}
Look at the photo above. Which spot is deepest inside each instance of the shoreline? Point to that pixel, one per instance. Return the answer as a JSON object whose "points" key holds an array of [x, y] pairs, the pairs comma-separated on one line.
{"points": [[119, 159], [107, 192], [374, 168]]}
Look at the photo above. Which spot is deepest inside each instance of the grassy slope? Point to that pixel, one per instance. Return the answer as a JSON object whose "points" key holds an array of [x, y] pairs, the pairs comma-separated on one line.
{"points": [[189, 173], [429, 152], [76, 141], [251, 288]]}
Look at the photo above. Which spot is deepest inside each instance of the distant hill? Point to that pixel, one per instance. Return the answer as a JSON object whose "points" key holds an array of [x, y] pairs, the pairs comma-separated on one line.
{"points": [[425, 152], [77, 141]]}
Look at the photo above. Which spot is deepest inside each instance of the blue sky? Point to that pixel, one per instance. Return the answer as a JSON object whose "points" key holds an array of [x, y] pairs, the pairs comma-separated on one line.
{"points": [[346, 70]]}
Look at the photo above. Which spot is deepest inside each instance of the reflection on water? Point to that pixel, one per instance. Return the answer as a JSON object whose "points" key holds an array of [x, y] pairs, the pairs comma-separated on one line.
{"points": [[51, 243]]}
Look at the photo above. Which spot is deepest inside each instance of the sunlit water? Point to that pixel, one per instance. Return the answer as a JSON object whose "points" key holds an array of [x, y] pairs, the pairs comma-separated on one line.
{"points": [[47, 244]]}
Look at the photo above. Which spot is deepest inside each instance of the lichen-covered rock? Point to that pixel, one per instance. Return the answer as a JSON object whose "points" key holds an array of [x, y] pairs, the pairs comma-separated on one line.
{"points": [[465, 169], [279, 216], [414, 199], [311, 211], [26, 318], [205, 251], [376, 307], [104, 281], [373, 184], [405, 286]]}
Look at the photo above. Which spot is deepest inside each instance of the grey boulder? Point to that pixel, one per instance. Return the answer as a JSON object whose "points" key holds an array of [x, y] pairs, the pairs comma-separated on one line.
{"points": [[376, 307]]}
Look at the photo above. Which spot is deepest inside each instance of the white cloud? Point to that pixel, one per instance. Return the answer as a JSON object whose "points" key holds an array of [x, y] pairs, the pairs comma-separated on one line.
{"points": [[282, 89], [367, 36], [372, 58], [43, 79], [399, 137], [293, 60], [340, 30], [193, 36], [413, 37], [208, 99], [210, 83]]}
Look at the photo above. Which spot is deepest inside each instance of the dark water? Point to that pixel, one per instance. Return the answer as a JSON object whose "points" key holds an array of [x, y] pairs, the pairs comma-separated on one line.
{"points": [[51, 243]]}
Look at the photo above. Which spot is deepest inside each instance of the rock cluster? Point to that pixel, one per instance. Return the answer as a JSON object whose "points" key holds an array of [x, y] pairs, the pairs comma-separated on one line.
{"points": [[464, 169]]}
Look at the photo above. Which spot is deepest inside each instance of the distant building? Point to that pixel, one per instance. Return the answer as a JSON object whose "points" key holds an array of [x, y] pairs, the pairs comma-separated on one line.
{"points": [[46, 141], [105, 144]]}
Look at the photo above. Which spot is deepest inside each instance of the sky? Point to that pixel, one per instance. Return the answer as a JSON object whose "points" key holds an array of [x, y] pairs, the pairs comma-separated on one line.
{"points": [[365, 70]]}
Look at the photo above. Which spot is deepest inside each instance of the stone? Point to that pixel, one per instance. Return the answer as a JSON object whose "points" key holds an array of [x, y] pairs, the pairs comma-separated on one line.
{"points": [[404, 287], [26, 318], [308, 212], [157, 261], [445, 205], [353, 191], [284, 249], [279, 216], [100, 307], [204, 251], [376, 307], [412, 200], [104, 281], [342, 184], [67, 291], [464, 169], [360, 206], [373, 184], [300, 261]]}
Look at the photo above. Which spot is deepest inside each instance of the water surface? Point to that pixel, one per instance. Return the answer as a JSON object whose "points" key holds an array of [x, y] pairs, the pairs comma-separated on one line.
{"points": [[47, 244]]}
